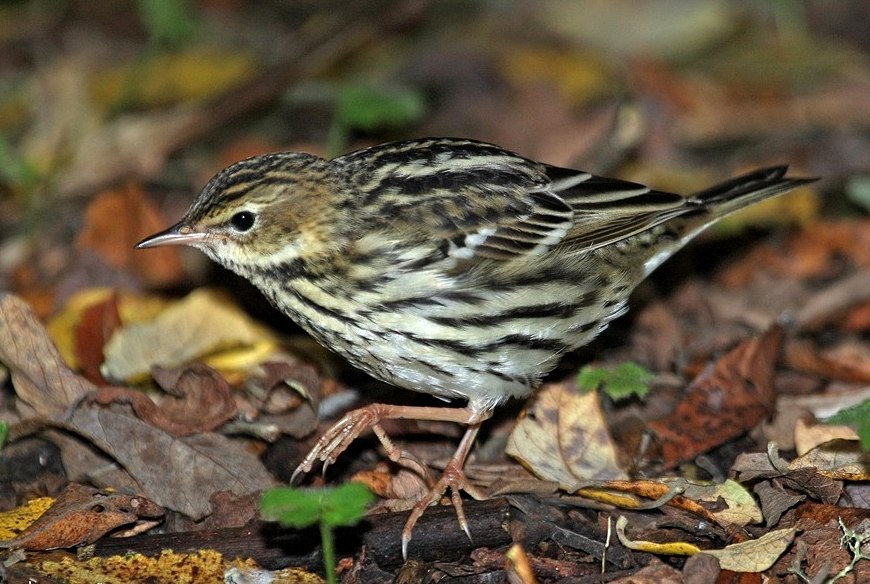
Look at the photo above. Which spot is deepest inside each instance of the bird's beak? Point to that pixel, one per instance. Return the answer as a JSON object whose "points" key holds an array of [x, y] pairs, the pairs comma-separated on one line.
{"points": [[178, 234]]}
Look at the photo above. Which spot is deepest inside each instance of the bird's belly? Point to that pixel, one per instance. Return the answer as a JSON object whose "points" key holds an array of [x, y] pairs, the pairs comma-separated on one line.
{"points": [[484, 343]]}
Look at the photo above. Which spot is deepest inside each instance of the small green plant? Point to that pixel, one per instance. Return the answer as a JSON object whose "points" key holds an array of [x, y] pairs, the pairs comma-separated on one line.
{"points": [[371, 108], [4, 431], [170, 23], [331, 507], [858, 417], [367, 107], [626, 380]]}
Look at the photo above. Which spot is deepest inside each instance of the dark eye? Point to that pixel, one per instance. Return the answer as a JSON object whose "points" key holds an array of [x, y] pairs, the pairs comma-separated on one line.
{"points": [[242, 221]]}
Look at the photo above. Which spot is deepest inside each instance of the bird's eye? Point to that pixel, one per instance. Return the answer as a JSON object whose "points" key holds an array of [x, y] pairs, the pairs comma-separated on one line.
{"points": [[242, 221]]}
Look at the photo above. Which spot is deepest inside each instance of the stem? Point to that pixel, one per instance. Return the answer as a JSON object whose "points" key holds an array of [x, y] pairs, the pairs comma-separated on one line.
{"points": [[328, 552]]}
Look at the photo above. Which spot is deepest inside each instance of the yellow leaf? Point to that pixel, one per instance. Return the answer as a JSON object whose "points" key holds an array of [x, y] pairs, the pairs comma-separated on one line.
{"points": [[203, 324], [14, 521], [674, 548], [170, 78]]}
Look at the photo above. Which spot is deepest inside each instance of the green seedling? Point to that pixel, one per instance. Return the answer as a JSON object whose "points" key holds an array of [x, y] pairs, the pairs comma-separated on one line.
{"points": [[626, 380], [858, 417], [330, 507]]}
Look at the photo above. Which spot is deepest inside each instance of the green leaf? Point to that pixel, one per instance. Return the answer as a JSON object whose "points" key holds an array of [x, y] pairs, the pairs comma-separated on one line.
{"points": [[857, 417], [300, 508], [626, 380], [4, 431], [371, 108], [346, 505], [169, 23]]}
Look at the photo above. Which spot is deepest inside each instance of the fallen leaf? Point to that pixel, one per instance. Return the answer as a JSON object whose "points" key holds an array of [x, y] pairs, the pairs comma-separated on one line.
{"points": [[15, 521], [199, 400], [673, 548], [803, 357], [726, 400], [790, 408], [775, 500], [132, 309], [756, 555], [837, 460], [808, 435], [285, 392], [739, 508], [754, 466], [563, 437], [39, 376], [200, 325], [82, 515], [177, 473], [115, 221], [809, 253], [97, 324], [580, 76], [166, 78]]}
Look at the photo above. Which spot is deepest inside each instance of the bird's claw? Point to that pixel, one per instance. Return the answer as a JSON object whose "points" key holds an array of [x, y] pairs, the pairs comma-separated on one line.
{"points": [[454, 480]]}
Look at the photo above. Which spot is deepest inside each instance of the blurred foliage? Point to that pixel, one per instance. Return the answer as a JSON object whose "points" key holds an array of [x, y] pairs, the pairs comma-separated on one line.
{"points": [[626, 380], [170, 23], [857, 417]]}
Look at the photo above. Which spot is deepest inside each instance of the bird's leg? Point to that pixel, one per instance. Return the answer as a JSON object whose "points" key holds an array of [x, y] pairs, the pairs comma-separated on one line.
{"points": [[452, 478], [341, 434]]}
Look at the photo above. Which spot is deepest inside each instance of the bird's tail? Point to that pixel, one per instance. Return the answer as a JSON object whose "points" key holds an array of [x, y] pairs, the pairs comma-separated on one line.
{"points": [[742, 191]]}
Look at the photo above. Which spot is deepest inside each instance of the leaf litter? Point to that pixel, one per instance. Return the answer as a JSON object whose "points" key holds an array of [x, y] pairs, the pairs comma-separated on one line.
{"points": [[687, 463]]}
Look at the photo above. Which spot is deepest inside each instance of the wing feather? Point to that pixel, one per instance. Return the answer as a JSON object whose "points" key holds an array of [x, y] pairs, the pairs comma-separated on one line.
{"points": [[485, 202]]}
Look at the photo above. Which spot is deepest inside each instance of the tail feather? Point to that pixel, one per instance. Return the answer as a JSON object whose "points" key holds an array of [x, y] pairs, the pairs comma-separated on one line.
{"points": [[742, 191]]}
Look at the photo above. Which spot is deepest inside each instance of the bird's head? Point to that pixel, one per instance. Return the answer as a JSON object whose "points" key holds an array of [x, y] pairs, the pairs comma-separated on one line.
{"points": [[264, 212]]}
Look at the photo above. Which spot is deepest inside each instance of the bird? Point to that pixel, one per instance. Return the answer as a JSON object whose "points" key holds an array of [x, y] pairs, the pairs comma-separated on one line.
{"points": [[447, 266]]}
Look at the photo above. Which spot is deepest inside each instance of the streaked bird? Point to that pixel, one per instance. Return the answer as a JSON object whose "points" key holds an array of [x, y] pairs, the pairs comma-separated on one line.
{"points": [[446, 266]]}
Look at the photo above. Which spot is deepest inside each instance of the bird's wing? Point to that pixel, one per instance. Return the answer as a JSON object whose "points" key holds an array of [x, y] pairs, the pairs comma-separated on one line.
{"points": [[482, 201]]}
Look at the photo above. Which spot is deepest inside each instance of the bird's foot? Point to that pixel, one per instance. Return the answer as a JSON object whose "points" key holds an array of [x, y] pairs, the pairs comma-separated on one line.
{"points": [[454, 480]]}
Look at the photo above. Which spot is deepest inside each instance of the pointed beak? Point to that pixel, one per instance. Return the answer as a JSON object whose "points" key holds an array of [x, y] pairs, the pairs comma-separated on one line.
{"points": [[178, 234]]}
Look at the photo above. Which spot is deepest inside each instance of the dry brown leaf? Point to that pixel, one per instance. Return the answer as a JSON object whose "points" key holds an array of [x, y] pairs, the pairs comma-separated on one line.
{"points": [[810, 253], [177, 473], [731, 503], [775, 500], [752, 466], [726, 400], [39, 376], [115, 221], [838, 460], [802, 356], [200, 400], [563, 437], [96, 326], [285, 392], [132, 308], [82, 515]]}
